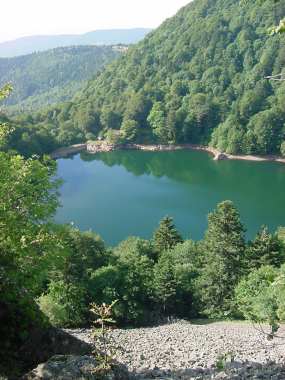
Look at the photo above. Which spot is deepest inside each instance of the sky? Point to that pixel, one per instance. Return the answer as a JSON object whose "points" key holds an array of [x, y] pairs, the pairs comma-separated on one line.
{"points": [[21, 18]]}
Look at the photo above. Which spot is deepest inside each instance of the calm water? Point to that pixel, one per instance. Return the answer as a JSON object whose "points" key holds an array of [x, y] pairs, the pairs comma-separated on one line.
{"points": [[126, 193]]}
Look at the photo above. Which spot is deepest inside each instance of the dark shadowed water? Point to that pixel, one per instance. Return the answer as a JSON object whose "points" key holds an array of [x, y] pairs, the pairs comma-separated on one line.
{"points": [[125, 193]]}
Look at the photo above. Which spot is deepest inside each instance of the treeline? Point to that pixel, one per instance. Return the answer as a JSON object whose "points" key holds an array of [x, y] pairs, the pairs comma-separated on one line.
{"points": [[50, 77], [198, 78], [222, 276], [218, 277]]}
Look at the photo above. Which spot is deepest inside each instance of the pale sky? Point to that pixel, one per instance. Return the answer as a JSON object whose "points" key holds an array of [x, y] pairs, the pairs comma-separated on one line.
{"points": [[33, 17]]}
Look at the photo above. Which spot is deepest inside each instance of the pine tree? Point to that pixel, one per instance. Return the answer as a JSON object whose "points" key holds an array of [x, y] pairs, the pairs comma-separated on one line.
{"points": [[265, 249], [166, 236], [165, 285], [223, 248]]}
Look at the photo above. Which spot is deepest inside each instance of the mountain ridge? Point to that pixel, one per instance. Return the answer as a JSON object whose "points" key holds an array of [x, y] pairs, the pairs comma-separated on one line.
{"points": [[30, 44]]}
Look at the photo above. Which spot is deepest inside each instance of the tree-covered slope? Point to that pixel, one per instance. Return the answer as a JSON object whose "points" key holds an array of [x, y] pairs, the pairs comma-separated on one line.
{"points": [[199, 78], [53, 76]]}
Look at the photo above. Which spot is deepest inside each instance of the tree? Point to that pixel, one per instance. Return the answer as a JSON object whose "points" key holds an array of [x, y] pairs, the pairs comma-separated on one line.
{"points": [[129, 130], [157, 121], [128, 278], [256, 298], [265, 249], [282, 149], [183, 87], [166, 236], [113, 136], [64, 304], [223, 250], [28, 200], [165, 284]]}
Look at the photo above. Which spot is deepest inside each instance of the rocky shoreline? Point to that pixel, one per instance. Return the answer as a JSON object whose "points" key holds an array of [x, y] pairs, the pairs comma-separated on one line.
{"points": [[94, 147], [67, 151]]}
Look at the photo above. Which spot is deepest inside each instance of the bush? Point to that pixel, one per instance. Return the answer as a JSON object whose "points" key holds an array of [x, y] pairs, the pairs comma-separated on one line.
{"points": [[255, 295], [64, 304]]}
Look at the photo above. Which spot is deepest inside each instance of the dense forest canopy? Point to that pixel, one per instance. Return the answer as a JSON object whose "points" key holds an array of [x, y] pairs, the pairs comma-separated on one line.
{"points": [[53, 76], [199, 78]]}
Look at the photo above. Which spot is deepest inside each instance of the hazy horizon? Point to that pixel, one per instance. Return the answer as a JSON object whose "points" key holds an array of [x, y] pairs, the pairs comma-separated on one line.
{"points": [[55, 18]]}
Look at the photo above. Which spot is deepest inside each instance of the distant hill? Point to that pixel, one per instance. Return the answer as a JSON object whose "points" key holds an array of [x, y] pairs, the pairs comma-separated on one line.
{"points": [[199, 78], [44, 78], [31, 44]]}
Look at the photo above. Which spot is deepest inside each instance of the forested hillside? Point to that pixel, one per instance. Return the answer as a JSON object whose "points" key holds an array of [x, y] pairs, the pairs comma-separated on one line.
{"points": [[198, 78], [53, 76]]}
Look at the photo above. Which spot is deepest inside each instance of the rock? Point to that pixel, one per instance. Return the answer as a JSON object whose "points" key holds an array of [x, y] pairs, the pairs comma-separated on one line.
{"points": [[220, 156], [183, 350], [100, 146], [70, 367], [43, 344], [68, 151]]}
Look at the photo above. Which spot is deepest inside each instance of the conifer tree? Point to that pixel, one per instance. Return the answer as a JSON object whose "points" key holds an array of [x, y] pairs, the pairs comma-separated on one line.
{"points": [[166, 236], [164, 282], [265, 249], [223, 248]]}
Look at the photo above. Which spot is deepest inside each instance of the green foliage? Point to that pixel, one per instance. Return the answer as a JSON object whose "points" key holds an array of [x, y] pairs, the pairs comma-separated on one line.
{"points": [[279, 28], [64, 304], [157, 121], [165, 284], [28, 200], [104, 318], [27, 203], [166, 236], [5, 91], [129, 130], [256, 298], [282, 149], [66, 269], [223, 251], [265, 249], [113, 136], [223, 359], [199, 78], [200, 72], [52, 76], [128, 278]]}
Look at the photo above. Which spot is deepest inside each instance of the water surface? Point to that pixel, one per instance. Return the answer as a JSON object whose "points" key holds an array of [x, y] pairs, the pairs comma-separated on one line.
{"points": [[125, 193]]}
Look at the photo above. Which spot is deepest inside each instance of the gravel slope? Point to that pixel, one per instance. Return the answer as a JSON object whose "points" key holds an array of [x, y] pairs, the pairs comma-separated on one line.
{"points": [[184, 350]]}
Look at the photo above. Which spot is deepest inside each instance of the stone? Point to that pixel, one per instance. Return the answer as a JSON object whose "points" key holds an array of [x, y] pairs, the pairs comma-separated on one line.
{"points": [[71, 367], [220, 156]]}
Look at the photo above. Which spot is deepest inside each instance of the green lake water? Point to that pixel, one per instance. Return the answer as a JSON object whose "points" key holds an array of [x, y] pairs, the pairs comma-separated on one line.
{"points": [[126, 193]]}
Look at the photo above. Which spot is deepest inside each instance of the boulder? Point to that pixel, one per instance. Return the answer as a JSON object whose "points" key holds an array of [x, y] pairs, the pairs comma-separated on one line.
{"points": [[45, 343], [71, 367], [220, 156]]}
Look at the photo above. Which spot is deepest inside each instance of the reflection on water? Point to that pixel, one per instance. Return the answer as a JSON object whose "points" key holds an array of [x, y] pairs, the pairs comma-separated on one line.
{"points": [[127, 192]]}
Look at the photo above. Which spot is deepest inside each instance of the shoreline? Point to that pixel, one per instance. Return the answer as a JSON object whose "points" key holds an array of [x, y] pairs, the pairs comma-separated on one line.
{"points": [[94, 147]]}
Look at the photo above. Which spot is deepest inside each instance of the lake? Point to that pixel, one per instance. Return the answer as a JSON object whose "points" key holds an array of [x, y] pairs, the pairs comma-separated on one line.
{"points": [[124, 193]]}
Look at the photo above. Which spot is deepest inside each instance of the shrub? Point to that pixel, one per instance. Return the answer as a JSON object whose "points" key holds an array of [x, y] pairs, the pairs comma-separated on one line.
{"points": [[255, 295], [64, 304]]}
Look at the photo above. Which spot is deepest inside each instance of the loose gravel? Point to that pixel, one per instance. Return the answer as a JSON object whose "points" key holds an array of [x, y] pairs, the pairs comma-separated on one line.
{"points": [[185, 350]]}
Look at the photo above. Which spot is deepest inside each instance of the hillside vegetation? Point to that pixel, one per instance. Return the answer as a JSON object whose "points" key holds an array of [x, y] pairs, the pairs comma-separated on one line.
{"points": [[198, 78], [53, 76]]}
